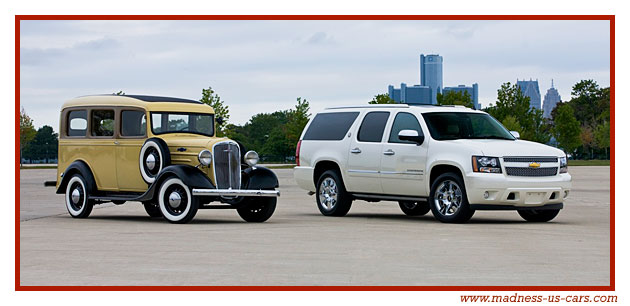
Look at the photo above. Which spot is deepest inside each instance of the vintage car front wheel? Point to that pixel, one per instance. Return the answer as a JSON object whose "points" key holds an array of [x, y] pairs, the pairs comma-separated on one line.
{"points": [[176, 201], [77, 199], [154, 156], [257, 209]]}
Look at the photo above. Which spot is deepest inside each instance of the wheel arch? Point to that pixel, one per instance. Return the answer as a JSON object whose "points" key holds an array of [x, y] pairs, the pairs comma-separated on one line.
{"points": [[80, 167], [191, 176], [324, 165], [440, 168], [259, 178]]}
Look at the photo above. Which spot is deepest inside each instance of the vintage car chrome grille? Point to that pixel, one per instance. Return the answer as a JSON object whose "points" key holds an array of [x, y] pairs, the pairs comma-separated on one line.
{"points": [[227, 166], [521, 171], [530, 159]]}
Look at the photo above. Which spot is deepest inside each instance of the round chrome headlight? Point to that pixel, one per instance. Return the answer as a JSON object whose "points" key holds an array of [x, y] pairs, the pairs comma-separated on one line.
{"points": [[251, 158], [205, 157]]}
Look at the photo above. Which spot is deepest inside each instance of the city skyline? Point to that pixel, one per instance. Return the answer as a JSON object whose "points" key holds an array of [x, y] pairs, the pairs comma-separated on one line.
{"points": [[263, 66]]}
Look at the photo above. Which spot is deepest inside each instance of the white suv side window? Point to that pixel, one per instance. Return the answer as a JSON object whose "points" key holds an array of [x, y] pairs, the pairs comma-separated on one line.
{"points": [[373, 127], [404, 121]]}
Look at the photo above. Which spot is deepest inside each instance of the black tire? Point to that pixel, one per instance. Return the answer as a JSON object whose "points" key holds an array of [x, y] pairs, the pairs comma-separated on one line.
{"points": [[441, 205], [176, 202], [152, 209], [538, 215], [325, 195], [257, 209], [77, 199], [156, 149], [411, 208]]}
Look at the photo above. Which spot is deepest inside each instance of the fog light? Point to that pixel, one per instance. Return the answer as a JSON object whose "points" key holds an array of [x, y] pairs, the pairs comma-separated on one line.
{"points": [[486, 195]]}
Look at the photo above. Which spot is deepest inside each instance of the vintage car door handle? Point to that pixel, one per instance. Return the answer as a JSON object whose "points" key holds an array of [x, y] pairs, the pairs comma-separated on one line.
{"points": [[116, 142], [389, 152], [355, 151]]}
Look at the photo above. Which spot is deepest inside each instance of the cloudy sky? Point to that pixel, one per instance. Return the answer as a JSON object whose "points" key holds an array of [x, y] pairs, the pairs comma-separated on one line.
{"points": [[262, 66]]}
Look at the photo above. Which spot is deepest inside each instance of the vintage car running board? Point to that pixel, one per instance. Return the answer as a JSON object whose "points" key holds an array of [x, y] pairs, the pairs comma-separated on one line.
{"points": [[236, 192]]}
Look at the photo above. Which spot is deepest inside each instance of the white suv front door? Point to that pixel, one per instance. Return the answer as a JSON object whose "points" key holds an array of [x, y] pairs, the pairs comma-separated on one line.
{"points": [[364, 158], [403, 162]]}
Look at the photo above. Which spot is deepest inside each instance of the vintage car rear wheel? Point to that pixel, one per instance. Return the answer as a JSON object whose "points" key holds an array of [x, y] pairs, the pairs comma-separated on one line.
{"points": [[154, 156], [77, 198], [176, 201], [257, 209]]}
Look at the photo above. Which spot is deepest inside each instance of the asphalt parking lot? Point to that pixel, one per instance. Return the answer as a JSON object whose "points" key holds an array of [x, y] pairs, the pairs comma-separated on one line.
{"points": [[375, 244]]}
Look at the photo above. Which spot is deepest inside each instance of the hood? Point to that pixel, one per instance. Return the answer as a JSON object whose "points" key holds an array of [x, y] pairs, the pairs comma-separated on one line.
{"points": [[500, 148]]}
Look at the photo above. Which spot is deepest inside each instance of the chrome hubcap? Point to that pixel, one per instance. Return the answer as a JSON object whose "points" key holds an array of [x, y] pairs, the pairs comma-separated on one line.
{"points": [[174, 199], [75, 196], [150, 161], [328, 193], [448, 198]]}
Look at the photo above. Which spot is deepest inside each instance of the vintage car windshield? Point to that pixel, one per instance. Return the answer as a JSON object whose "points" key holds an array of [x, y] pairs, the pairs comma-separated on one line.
{"points": [[455, 125], [176, 122]]}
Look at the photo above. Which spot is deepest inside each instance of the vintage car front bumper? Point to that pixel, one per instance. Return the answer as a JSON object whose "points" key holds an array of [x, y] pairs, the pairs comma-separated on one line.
{"points": [[235, 192]]}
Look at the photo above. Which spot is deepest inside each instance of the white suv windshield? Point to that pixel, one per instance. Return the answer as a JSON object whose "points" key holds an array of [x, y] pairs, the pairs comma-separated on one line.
{"points": [[171, 122], [450, 126]]}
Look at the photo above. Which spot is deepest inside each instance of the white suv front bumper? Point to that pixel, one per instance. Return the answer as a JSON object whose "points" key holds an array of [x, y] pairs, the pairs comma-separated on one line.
{"points": [[521, 192]]}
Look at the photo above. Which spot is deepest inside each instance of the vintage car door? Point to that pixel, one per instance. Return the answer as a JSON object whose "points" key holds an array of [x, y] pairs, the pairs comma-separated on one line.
{"points": [[403, 162], [133, 133], [364, 157], [101, 151]]}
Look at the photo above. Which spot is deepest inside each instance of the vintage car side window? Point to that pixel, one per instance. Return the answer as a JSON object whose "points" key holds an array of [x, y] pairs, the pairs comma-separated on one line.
{"points": [[404, 121], [134, 123], [102, 123], [373, 126], [77, 123], [330, 126]]}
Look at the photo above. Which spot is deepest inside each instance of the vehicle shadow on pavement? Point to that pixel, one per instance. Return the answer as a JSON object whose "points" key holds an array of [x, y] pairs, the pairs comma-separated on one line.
{"points": [[159, 220], [429, 218]]}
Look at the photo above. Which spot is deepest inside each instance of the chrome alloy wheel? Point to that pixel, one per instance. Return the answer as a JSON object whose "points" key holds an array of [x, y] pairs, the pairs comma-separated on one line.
{"points": [[328, 193], [448, 198]]}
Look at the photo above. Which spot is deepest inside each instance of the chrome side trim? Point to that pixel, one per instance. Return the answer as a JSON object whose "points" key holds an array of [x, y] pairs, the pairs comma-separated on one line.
{"points": [[403, 172], [363, 171], [388, 197], [236, 192]]}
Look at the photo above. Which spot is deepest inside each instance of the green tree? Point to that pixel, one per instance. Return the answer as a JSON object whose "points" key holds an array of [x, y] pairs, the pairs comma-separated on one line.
{"points": [[297, 120], [382, 99], [602, 136], [567, 129], [27, 131], [44, 145], [512, 102], [221, 110], [119, 93], [512, 124], [455, 98]]}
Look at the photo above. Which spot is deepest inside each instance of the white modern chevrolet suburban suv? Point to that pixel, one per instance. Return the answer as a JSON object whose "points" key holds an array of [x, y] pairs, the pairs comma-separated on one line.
{"points": [[448, 159]]}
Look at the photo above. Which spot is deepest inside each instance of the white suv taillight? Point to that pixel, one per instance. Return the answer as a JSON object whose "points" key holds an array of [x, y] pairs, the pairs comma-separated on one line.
{"points": [[297, 153]]}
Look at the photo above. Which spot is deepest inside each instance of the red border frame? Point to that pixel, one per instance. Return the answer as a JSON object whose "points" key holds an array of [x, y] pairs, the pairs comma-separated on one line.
{"points": [[610, 287]]}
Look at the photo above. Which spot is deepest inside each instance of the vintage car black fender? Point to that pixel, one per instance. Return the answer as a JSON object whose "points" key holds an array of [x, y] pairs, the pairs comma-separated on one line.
{"points": [[82, 168], [191, 176], [258, 178]]}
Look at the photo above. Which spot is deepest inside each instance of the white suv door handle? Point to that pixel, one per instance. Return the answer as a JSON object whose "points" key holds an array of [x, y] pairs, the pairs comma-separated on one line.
{"points": [[389, 152], [355, 151]]}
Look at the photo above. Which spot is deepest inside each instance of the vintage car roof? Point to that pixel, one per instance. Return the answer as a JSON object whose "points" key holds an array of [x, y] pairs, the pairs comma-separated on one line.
{"points": [[152, 103]]}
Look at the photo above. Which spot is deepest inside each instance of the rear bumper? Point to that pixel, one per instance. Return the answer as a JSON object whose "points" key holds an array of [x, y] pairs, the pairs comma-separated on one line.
{"points": [[236, 192], [304, 177]]}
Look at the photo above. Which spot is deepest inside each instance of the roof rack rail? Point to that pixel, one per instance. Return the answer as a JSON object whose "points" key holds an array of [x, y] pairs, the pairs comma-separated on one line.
{"points": [[398, 105]]}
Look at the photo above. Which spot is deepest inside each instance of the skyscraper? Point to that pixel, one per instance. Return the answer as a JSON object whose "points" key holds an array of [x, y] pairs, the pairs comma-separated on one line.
{"points": [[530, 89], [473, 92], [431, 74], [552, 97]]}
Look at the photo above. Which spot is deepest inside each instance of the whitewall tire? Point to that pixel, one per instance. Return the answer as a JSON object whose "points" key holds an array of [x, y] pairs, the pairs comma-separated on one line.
{"points": [[176, 201], [77, 199], [154, 156]]}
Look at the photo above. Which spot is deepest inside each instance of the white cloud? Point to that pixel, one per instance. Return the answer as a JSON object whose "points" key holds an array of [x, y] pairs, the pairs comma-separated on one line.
{"points": [[262, 66]]}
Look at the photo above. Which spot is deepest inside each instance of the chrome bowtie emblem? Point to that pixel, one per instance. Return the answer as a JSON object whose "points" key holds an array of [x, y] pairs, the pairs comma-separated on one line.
{"points": [[534, 165]]}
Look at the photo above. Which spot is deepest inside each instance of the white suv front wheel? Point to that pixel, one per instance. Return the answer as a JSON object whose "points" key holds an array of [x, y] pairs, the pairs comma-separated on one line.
{"points": [[448, 199]]}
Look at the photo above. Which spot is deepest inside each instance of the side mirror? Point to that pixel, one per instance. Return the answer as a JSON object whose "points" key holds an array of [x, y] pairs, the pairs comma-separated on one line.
{"points": [[411, 135], [515, 134], [220, 120]]}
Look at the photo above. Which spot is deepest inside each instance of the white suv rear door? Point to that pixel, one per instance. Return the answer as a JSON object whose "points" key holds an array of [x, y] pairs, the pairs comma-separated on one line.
{"points": [[402, 162], [364, 158]]}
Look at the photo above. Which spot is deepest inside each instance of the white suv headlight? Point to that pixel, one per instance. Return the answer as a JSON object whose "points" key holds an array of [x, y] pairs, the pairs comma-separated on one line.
{"points": [[205, 157], [486, 164], [564, 166]]}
